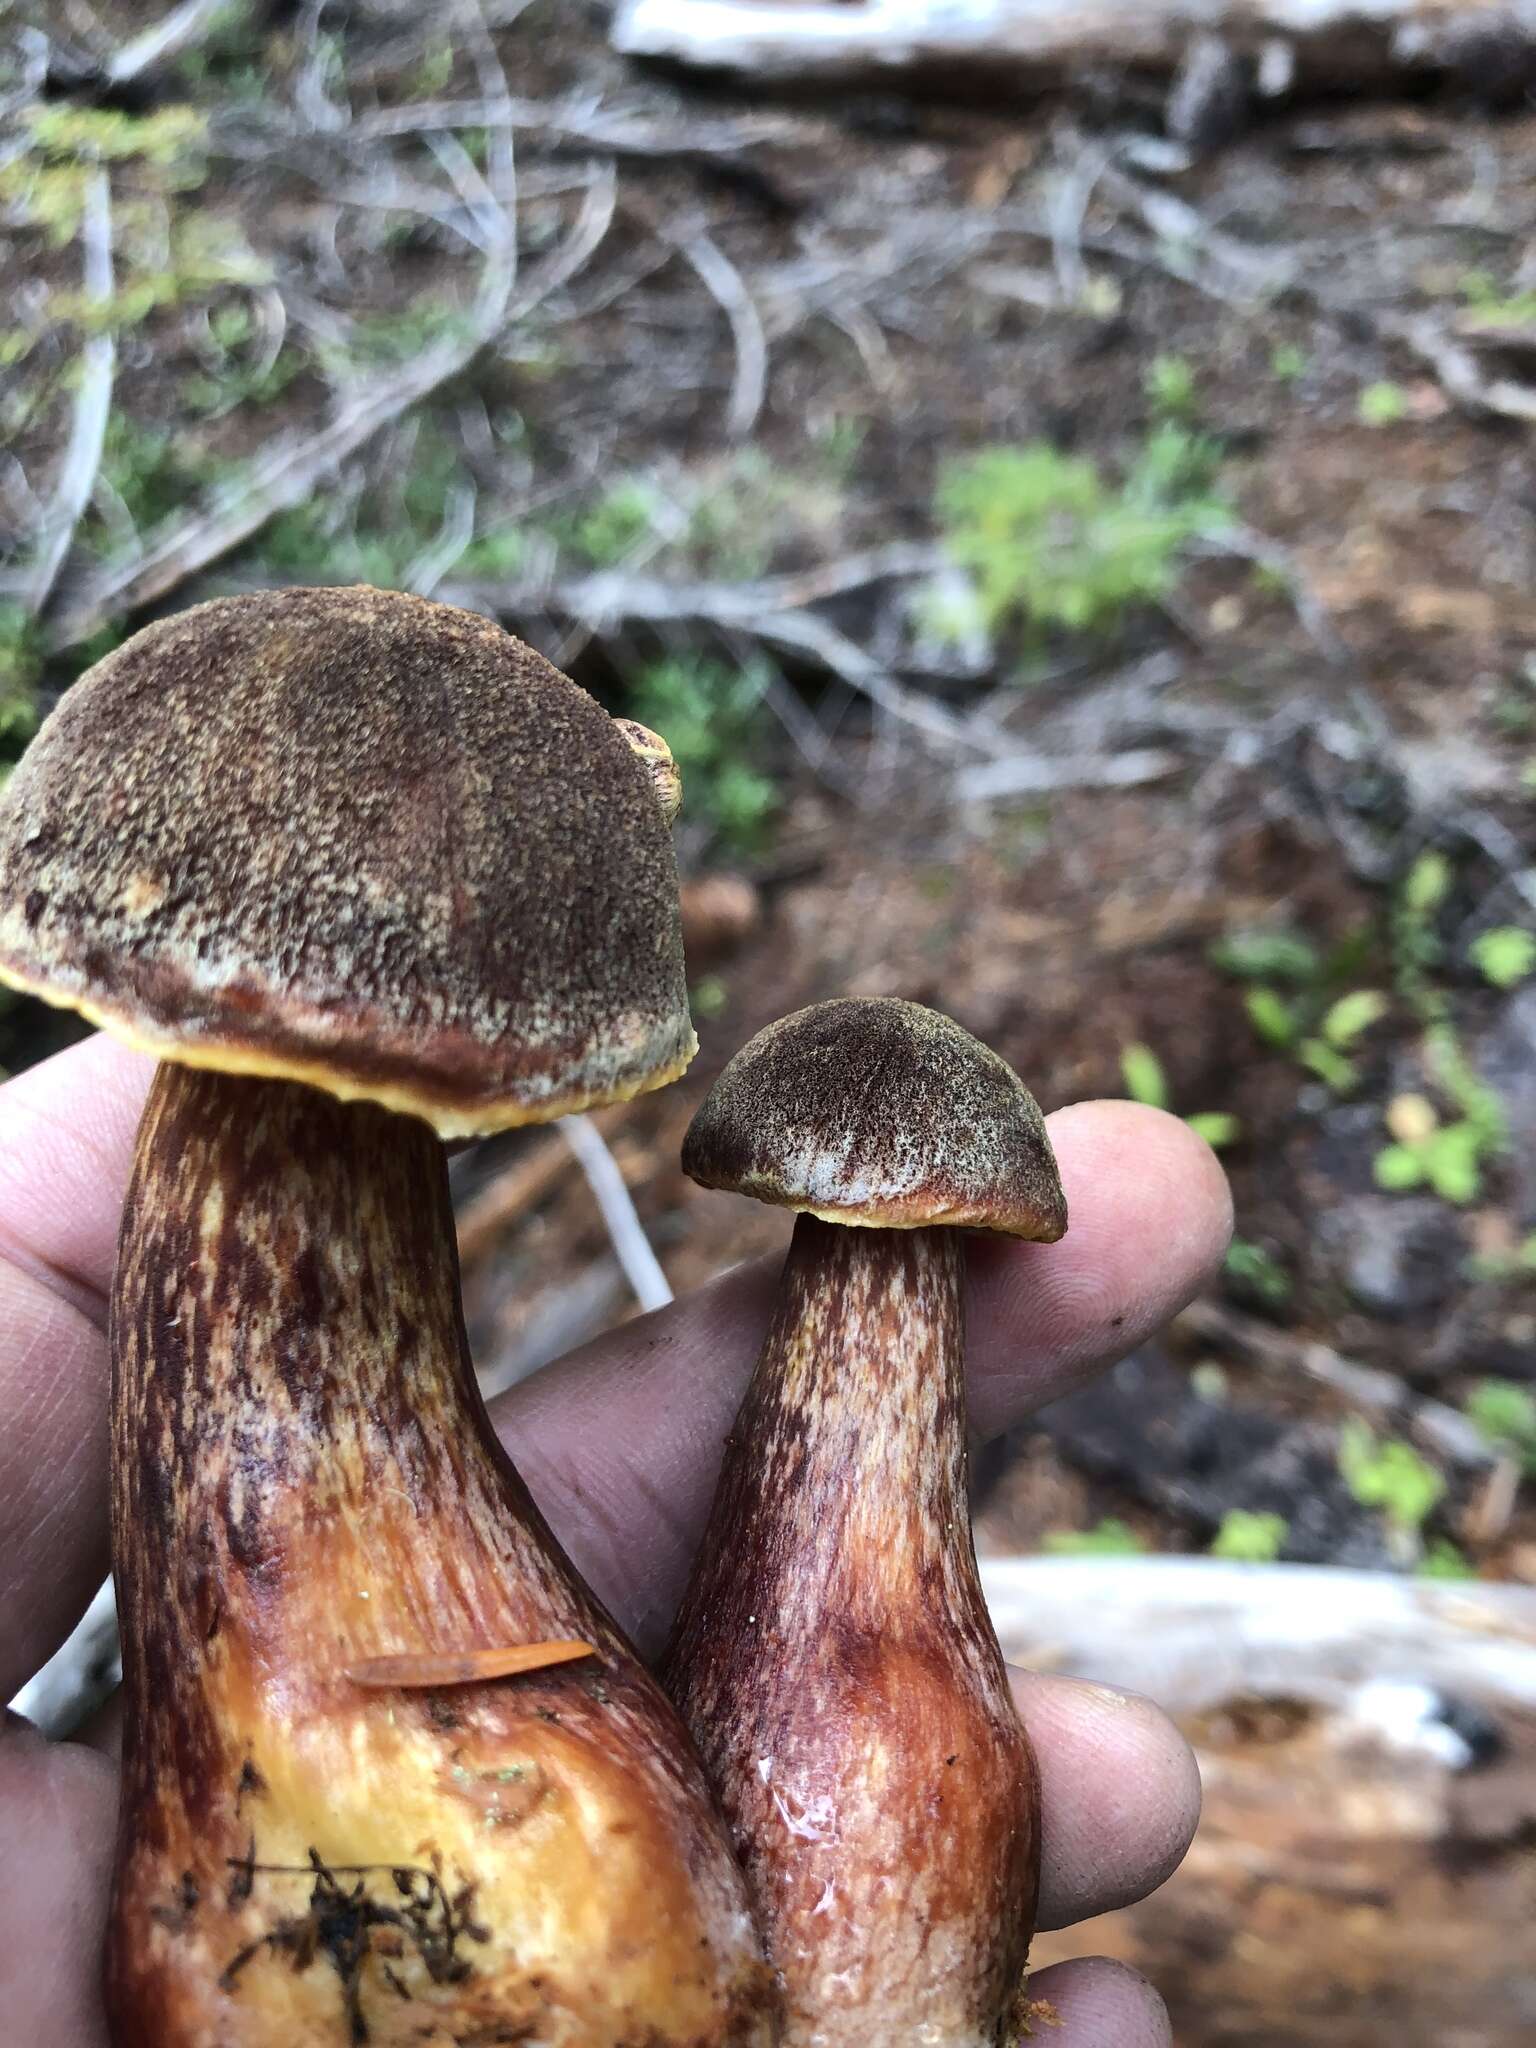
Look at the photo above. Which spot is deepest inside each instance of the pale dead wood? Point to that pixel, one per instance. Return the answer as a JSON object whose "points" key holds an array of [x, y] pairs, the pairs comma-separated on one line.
{"points": [[1000, 47], [1195, 1632]]}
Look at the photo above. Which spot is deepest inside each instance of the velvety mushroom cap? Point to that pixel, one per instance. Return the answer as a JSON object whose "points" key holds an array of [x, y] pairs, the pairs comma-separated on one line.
{"points": [[355, 839], [883, 1113]]}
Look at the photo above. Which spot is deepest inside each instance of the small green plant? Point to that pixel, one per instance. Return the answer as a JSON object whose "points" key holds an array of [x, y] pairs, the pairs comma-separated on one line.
{"points": [[1311, 1022], [1170, 387], [1268, 954], [1448, 1157], [1443, 1560], [1246, 1538], [1491, 303], [1505, 1412], [710, 717], [1109, 1538], [610, 529], [1501, 1267], [1146, 1082], [151, 472], [1049, 542], [1417, 948], [1288, 362], [1388, 1474], [739, 524], [1505, 955], [1258, 1274], [20, 662], [1322, 1043], [1383, 405]]}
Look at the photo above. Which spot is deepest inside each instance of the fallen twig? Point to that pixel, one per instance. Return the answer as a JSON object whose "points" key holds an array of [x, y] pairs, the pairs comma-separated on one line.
{"points": [[771, 611], [518, 1189], [641, 1266], [93, 397], [1378, 1394], [724, 283], [162, 40]]}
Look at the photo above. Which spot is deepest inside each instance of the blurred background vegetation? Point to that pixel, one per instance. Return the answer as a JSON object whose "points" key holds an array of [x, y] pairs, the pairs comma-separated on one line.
{"points": [[1085, 577]]}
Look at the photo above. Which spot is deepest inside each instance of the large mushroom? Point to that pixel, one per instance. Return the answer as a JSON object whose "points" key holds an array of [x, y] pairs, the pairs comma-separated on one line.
{"points": [[833, 1654], [363, 872]]}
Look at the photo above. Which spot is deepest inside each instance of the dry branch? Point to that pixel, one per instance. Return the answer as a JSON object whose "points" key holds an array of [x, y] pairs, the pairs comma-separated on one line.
{"points": [[1381, 1395], [632, 1248], [93, 398], [998, 47], [772, 612], [161, 41]]}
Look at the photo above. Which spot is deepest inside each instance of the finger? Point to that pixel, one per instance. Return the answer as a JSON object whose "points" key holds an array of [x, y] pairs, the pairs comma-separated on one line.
{"points": [[1100, 2004], [57, 1812], [66, 1135], [1120, 1792], [66, 1142], [1150, 1218], [621, 1443]]}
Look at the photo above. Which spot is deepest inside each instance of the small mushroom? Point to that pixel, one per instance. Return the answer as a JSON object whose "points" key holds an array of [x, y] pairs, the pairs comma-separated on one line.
{"points": [[363, 871], [833, 1655]]}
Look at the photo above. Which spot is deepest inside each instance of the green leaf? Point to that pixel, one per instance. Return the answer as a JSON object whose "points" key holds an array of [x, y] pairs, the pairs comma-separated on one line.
{"points": [[1267, 956], [1272, 1018], [1353, 1015], [1388, 1474], [1383, 404], [1443, 1560], [1145, 1080], [1246, 1538], [1257, 1272], [1504, 956], [1428, 882], [1111, 1538], [1217, 1128], [1505, 1413], [1397, 1169], [1451, 1159], [1331, 1068]]}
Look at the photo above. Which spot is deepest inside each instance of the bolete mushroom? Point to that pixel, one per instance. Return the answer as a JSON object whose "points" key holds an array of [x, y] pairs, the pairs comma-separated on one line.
{"points": [[363, 871], [833, 1655]]}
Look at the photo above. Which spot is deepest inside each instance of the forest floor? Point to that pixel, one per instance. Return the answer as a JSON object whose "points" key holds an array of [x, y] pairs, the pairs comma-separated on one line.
{"points": [[1189, 751]]}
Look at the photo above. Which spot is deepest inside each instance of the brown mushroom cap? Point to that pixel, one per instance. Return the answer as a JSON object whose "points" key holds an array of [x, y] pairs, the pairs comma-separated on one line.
{"points": [[880, 1112], [355, 839]]}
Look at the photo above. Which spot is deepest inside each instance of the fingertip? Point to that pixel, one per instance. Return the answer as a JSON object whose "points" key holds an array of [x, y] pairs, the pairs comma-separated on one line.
{"points": [[1150, 1218], [1096, 2003], [1120, 1793], [1149, 1157]]}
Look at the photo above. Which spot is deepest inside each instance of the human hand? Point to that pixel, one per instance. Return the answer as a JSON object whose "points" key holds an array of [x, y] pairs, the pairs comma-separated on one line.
{"points": [[619, 1444]]}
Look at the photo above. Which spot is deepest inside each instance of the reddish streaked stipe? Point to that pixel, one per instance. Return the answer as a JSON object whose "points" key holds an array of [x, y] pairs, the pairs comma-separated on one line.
{"points": [[465, 1667]]}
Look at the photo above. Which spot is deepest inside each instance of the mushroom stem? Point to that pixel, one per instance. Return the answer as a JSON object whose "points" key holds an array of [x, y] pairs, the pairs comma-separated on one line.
{"points": [[305, 1479], [837, 1666]]}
